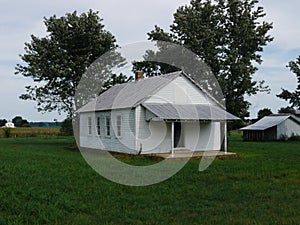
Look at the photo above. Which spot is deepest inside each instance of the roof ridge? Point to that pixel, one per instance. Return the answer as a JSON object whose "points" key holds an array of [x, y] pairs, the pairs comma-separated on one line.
{"points": [[134, 93]]}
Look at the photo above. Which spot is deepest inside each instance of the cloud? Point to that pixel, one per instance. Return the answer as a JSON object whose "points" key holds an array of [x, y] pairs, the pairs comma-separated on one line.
{"points": [[11, 88], [276, 78], [129, 21], [285, 16]]}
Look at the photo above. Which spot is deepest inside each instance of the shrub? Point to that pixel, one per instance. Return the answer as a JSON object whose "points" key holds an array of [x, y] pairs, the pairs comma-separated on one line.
{"points": [[26, 125], [283, 137], [294, 137], [6, 132], [67, 127]]}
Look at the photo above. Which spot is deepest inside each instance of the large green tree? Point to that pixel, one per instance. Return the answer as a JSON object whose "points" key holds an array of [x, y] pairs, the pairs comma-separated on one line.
{"points": [[228, 35], [57, 61], [293, 97]]}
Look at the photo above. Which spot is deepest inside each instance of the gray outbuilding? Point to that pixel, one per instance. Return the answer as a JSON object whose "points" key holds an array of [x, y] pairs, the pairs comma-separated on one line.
{"points": [[273, 127]]}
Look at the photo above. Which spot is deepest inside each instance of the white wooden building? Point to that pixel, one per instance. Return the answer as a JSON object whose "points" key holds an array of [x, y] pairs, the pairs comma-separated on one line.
{"points": [[153, 115], [9, 125], [273, 127]]}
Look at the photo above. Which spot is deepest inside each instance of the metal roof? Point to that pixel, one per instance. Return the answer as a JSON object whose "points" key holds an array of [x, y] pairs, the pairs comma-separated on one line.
{"points": [[268, 122], [129, 95], [132, 94], [189, 112]]}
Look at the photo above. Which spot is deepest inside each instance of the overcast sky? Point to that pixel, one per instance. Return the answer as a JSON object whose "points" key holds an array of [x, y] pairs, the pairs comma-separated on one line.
{"points": [[129, 21]]}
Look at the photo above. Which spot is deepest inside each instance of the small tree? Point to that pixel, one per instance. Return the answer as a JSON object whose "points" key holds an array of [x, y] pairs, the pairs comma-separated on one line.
{"points": [[20, 122], [66, 127], [17, 121], [264, 112], [6, 132], [293, 97], [3, 122]]}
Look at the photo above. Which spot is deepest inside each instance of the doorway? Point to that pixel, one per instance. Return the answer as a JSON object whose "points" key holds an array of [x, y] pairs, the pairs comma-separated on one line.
{"points": [[178, 135]]}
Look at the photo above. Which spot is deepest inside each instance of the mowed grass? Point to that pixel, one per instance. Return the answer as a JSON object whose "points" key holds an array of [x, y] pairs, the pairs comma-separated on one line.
{"points": [[46, 181]]}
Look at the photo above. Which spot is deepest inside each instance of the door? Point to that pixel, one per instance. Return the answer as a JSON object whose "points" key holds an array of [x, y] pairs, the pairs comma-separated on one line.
{"points": [[178, 135]]}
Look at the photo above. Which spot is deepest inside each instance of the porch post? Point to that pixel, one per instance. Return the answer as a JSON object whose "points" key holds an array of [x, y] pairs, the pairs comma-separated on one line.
{"points": [[225, 137], [172, 139]]}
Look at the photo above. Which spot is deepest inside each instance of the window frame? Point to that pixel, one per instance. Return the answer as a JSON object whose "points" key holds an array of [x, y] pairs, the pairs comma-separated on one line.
{"points": [[108, 126], [119, 127], [98, 126], [89, 122]]}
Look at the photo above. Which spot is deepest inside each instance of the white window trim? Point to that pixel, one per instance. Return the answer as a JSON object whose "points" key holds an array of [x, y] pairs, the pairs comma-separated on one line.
{"points": [[107, 126], [119, 115], [98, 125], [90, 126]]}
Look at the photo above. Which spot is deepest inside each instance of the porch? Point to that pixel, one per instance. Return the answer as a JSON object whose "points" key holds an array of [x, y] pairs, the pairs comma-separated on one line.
{"points": [[197, 154]]}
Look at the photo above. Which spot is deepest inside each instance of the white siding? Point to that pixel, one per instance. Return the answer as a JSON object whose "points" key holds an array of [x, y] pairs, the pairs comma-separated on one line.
{"points": [[125, 143], [199, 136], [153, 137], [180, 91], [288, 128]]}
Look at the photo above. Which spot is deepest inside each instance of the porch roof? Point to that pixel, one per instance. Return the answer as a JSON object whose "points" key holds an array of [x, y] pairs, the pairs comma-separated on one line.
{"points": [[189, 112]]}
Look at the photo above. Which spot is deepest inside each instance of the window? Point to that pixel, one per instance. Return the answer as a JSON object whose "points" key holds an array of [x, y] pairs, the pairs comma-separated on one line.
{"points": [[90, 125], [98, 126], [119, 125], [107, 125]]}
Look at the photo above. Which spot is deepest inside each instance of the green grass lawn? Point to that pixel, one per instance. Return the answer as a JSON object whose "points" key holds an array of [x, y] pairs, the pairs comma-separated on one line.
{"points": [[45, 181]]}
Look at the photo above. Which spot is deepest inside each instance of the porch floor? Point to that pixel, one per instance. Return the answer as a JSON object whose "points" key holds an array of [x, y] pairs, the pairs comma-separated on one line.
{"points": [[198, 154]]}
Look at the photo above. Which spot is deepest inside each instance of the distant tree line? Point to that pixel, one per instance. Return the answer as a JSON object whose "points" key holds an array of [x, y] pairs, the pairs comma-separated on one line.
{"points": [[45, 124], [20, 122]]}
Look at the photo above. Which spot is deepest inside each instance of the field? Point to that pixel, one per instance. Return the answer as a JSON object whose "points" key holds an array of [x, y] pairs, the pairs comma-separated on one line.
{"points": [[31, 132], [46, 181]]}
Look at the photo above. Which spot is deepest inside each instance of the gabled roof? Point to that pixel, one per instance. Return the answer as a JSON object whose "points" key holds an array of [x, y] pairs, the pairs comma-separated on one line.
{"points": [[129, 95], [189, 112], [270, 121], [132, 94]]}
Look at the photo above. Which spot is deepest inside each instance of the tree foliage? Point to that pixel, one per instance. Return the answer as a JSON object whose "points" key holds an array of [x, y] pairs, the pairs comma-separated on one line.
{"points": [[293, 97], [66, 127], [3, 122], [116, 79], [264, 112], [229, 36], [20, 122], [287, 109], [57, 62]]}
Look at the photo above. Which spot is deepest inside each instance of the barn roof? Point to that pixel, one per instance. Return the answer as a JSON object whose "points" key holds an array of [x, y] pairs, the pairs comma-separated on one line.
{"points": [[270, 121], [189, 112]]}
